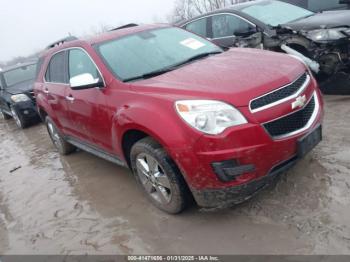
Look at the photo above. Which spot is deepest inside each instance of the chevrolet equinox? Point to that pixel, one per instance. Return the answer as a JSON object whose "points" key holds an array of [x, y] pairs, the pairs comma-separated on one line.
{"points": [[192, 121]]}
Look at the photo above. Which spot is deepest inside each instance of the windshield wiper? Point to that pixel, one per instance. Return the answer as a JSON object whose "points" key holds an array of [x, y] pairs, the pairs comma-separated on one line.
{"points": [[171, 68], [199, 56], [151, 74]]}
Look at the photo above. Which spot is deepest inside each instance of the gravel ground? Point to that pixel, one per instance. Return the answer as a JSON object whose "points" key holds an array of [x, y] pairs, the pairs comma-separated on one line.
{"points": [[82, 204]]}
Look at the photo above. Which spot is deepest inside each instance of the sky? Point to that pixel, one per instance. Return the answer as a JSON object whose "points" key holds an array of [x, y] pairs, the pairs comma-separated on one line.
{"points": [[29, 26]]}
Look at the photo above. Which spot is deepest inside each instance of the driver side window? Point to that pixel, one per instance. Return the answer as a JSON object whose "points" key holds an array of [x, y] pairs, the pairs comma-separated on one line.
{"points": [[80, 63], [226, 25], [198, 27]]}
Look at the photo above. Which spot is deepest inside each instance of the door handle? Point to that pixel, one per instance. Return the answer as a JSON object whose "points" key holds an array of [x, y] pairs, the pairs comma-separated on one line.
{"points": [[70, 98], [46, 91]]}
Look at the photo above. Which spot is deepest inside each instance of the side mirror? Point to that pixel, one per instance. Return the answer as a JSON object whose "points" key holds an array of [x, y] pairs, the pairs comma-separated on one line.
{"points": [[245, 33], [85, 81]]}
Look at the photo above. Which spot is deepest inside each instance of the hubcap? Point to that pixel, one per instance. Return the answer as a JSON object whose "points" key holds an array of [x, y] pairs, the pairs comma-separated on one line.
{"points": [[16, 118], [54, 135], [153, 178]]}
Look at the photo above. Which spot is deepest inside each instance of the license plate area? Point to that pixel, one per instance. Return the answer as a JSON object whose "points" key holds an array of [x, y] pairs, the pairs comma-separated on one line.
{"points": [[309, 141]]}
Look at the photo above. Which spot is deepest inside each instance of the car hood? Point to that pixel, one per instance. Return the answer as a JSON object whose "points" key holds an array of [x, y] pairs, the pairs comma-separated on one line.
{"points": [[23, 87], [236, 76], [328, 19]]}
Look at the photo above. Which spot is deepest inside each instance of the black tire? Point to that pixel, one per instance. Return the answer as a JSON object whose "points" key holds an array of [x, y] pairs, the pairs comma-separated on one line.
{"points": [[178, 190], [20, 120], [3, 115], [63, 147]]}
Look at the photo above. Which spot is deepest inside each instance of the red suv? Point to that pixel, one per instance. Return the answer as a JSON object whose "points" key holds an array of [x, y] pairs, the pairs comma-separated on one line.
{"points": [[189, 119]]}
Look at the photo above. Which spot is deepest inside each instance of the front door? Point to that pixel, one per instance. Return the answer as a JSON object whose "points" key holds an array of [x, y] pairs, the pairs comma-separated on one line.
{"points": [[228, 29], [88, 110]]}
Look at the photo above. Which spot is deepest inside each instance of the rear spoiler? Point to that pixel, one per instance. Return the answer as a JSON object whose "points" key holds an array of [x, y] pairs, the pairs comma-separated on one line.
{"points": [[124, 26]]}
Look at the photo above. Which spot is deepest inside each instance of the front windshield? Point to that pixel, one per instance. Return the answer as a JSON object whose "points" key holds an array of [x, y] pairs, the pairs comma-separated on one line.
{"points": [[276, 13], [150, 51], [19, 75]]}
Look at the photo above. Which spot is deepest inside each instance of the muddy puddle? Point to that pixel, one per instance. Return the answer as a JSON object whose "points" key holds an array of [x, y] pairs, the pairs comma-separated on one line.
{"points": [[81, 204]]}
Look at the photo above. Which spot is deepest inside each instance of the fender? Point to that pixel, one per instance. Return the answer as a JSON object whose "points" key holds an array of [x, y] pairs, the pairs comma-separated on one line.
{"points": [[169, 132]]}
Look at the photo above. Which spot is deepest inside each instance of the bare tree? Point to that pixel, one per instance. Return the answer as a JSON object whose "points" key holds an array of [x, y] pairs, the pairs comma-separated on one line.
{"points": [[186, 9]]}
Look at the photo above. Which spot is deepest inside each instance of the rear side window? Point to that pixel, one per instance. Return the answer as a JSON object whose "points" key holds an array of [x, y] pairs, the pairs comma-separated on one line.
{"points": [[55, 72], [198, 27]]}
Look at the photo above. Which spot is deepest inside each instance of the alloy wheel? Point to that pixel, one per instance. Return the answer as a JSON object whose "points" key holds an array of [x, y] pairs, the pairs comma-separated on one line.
{"points": [[54, 135], [154, 180], [16, 117]]}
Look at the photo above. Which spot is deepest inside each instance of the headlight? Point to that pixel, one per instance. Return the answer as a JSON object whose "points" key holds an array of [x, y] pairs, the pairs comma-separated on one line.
{"points": [[208, 116], [327, 34], [20, 98]]}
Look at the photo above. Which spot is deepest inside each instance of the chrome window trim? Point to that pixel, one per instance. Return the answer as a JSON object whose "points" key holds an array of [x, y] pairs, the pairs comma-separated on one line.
{"points": [[307, 126], [47, 67], [68, 49], [301, 89], [212, 15]]}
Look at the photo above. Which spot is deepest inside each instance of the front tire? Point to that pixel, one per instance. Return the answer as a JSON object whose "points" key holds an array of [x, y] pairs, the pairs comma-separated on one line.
{"points": [[20, 120], [158, 176], [63, 147], [4, 116]]}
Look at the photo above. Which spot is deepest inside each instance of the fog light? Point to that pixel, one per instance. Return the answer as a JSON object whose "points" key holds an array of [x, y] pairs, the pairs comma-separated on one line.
{"points": [[230, 169]]}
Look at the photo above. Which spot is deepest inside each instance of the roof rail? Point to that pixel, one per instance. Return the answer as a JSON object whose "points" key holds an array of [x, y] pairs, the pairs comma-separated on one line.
{"points": [[124, 26], [61, 41]]}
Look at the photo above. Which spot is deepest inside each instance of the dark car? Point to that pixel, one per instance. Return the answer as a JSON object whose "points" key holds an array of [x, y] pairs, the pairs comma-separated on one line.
{"points": [[185, 116], [17, 98], [321, 40], [321, 5]]}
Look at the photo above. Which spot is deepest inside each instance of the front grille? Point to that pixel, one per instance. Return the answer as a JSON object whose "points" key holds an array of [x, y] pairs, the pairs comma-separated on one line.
{"points": [[292, 122], [279, 94]]}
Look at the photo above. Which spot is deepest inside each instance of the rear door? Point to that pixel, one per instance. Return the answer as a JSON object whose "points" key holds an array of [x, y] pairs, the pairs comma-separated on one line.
{"points": [[54, 89]]}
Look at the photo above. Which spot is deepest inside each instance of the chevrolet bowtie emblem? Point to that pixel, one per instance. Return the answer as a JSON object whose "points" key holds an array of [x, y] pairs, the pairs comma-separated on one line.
{"points": [[299, 102]]}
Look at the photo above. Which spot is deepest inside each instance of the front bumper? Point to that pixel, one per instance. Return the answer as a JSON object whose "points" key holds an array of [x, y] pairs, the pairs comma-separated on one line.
{"points": [[214, 198], [261, 158], [27, 109]]}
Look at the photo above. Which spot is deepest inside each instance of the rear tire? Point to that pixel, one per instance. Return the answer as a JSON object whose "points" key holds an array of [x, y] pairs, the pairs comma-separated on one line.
{"points": [[4, 116], [63, 147], [20, 120], [158, 176]]}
